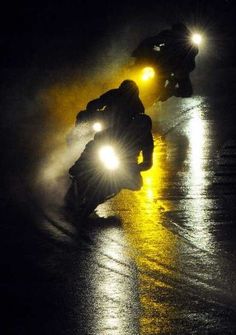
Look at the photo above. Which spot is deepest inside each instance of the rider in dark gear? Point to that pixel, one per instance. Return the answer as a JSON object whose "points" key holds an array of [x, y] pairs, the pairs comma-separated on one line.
{"points": [[174, 55], [117, 105], [130, 132], [182, 61], [129, 127], [131, 139], [92, 185]]}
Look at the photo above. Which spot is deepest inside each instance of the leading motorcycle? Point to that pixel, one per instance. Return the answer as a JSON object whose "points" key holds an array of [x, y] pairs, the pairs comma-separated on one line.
{"points": [[109, 164]]}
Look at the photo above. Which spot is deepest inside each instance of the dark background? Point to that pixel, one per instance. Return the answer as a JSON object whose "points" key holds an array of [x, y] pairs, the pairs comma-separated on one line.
{"points": [[49, 34]]}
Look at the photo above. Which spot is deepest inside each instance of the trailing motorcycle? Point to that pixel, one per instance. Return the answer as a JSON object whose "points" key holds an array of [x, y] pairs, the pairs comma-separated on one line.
{"points": [[167, 59]]}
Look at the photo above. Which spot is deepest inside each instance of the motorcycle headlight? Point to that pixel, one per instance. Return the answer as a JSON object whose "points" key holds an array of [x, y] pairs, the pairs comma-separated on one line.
{"points": [[97, 126], [108, 157], [148, 73], [196, 39]]}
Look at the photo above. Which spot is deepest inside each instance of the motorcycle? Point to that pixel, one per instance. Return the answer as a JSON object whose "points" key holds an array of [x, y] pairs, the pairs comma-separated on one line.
{"points": [[155, 63], [105, 167]]}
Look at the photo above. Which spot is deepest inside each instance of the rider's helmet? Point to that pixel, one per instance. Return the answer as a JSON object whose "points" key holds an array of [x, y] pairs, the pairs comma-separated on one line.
{"points": [[129, 87]]}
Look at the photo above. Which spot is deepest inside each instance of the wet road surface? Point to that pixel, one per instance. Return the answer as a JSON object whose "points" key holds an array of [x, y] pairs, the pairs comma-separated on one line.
{"points": [[157, 261], [180, 227]]}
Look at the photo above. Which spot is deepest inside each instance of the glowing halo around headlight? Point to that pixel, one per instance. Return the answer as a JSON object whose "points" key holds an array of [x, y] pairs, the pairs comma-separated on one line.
{"points": [[97, 126], [108, 157], [148, 73], [196, 39]]}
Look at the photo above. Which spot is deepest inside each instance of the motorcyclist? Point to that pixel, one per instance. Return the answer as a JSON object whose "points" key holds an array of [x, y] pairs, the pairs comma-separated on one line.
{"points": [[130, 132], [91, 186], [173, 53], [117, 105], [133, 138]]}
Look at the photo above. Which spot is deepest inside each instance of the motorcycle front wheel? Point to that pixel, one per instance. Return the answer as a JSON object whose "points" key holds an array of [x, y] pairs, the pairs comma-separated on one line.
{"points": [[81, 204]]}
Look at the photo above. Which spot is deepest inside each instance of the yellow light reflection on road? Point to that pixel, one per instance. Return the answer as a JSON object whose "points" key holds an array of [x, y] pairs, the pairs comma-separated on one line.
{"points": [[153, 241], [153, 246]]}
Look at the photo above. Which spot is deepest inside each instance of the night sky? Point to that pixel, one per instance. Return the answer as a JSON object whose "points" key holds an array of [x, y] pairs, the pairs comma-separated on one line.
{"points": [[42, 33]]}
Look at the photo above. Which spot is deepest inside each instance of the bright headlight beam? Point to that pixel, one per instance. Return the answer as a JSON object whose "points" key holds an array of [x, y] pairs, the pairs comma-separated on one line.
{"points": [[97, 126], [108, 157], [148, 73], [197, 39]]}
